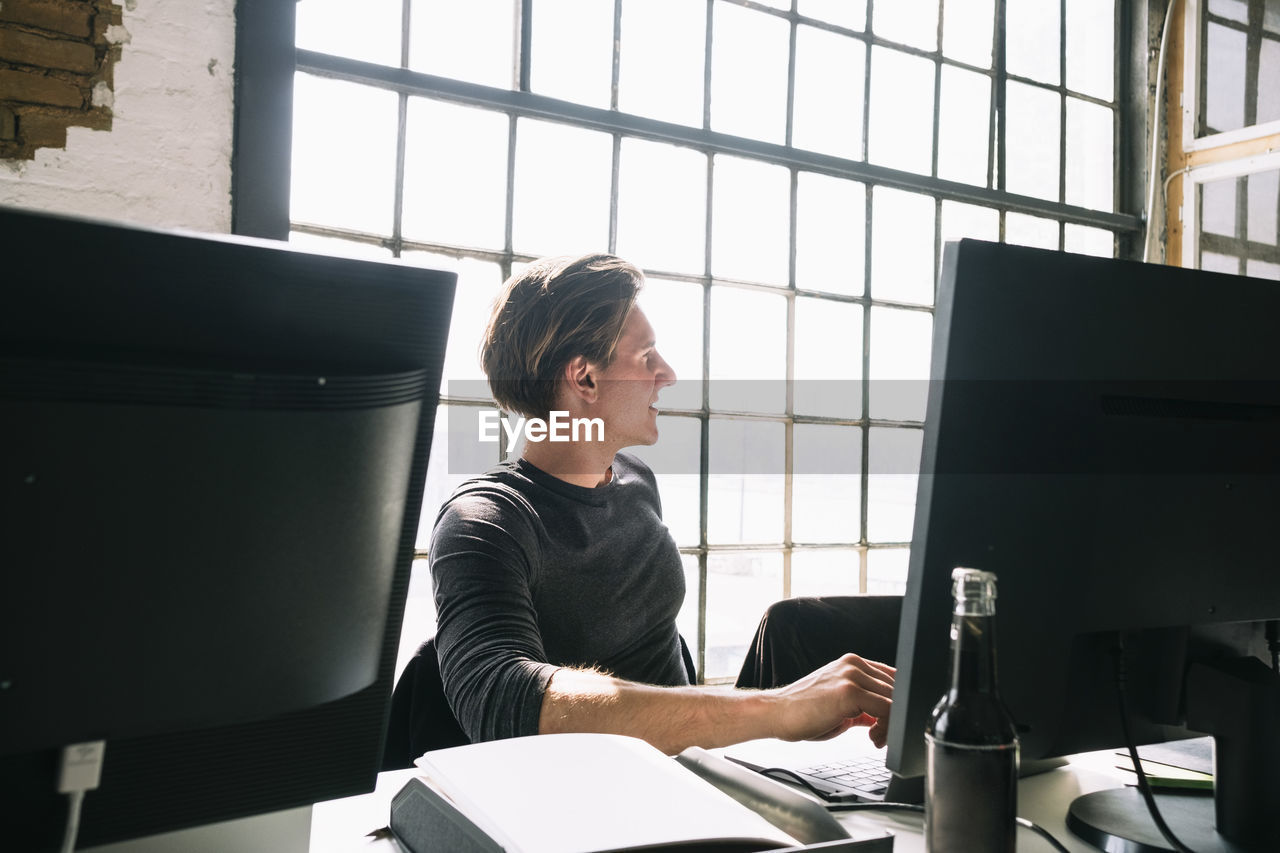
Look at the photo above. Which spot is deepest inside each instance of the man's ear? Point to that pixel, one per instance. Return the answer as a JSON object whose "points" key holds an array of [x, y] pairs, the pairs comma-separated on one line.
{"points": [[580, 379]]}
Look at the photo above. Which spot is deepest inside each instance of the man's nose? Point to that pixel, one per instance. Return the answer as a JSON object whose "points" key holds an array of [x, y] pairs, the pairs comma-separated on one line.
{"points": [[666, 373]]}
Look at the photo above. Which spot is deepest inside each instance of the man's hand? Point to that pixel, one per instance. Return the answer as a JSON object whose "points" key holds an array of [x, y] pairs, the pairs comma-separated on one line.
{"points": [[850, 691]]}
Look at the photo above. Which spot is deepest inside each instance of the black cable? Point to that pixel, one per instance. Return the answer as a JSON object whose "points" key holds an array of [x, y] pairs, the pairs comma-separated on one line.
{"points": [[898, 807], [1143, 786], [1043, 833], [872, 806], [792, 776]]}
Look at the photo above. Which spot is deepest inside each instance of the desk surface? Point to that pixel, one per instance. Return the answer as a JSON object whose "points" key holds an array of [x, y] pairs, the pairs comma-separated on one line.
{"points": [[342, 826]]}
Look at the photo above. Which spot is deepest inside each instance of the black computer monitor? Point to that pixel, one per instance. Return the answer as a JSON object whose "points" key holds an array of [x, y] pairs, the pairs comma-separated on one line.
{"points": [[212, 466], [1103, 435]]}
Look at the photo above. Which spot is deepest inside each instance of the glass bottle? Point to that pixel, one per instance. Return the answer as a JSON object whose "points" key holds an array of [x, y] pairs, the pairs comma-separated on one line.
{"points": [[971, 744]]}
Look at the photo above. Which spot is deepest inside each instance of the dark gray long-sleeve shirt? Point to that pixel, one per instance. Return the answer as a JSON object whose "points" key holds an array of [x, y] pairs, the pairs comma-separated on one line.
{"points": [[532, 573]]}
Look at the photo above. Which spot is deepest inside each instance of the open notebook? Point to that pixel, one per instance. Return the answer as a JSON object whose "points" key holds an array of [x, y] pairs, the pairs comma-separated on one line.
{"points": [[577, 793]]}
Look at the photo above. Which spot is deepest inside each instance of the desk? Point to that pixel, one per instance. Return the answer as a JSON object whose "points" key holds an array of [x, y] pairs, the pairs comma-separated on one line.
{"points": [[341, 826]]}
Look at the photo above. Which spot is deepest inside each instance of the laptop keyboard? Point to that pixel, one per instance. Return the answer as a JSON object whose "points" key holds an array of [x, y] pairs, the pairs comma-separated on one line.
{"points": [[864, 777]]}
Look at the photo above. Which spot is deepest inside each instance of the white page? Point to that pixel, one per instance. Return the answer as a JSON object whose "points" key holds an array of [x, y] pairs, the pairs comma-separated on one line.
{"points": [[576, 793]]}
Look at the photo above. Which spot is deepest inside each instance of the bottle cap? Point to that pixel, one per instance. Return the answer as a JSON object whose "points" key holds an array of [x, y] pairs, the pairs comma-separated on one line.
{"points": [[973, 586]]}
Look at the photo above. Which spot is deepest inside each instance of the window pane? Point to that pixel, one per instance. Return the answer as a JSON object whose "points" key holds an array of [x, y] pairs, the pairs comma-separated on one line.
{"points": [[740, 586], [1090, 155], [466, 41], [1023, 230], [1218, 207], [901, 246], [887, 570], [660, 66], [328, 185], [963, 126], [456, 455], [662, 206], [891, 484], [562, 185], [898, 387], [1091, 47], [828, 358], [851, 14], [675, 461], [744, 503], [901, 343], [1262, 269], [1224, 85], [1264, 203], [572, 51], [478, 283], [901, 116], [967, 30], [748, 350], [909, 22], [828, 95], [675, 310], [376, 39], [750, 230], [826, 484], [687, 619], [1033, 41], [455, 175], [419, 614], [1084, 240], [1033, 138], [825, 572], [1269, 70], [831, 216], [1215, 262], [1236, 10], [749, 56], [968, 220]]}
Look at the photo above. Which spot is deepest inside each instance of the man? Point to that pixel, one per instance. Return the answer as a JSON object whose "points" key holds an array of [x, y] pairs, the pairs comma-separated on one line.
{"points": [[557, 584]]}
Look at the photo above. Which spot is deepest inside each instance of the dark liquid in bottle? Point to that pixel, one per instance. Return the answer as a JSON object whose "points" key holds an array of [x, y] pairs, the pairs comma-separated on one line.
{"points": [[971, 798]]}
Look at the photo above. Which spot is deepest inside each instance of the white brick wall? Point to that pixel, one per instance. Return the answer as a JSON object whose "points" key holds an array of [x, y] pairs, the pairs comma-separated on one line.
{"points": [[167, 159]]}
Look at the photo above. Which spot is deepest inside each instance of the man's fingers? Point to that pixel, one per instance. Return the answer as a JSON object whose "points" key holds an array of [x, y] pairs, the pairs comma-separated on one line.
{"points": [[881, 671], [879, 732], [887, 673], [877, 727]]}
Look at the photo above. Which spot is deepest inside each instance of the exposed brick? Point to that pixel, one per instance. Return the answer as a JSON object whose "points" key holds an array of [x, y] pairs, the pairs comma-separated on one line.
{"points": [[7, 129], [43, 131], [60, 17], [31, 49], [26, 87]]}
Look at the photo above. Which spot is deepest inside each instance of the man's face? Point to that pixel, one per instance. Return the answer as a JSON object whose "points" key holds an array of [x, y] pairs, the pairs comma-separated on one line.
{"points": [[629, 386]]}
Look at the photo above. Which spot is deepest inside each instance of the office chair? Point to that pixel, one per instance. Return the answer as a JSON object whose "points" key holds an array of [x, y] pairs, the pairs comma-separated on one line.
{"points": [[798, 635]]}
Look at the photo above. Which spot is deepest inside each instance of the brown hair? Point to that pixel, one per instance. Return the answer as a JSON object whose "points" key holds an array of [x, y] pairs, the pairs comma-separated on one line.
{"points": [[547, 315]]}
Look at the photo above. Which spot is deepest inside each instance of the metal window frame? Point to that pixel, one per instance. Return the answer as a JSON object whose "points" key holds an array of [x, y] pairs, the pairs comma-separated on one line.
{"points": [[522, 102], [1239, 168], [1193, 98]]}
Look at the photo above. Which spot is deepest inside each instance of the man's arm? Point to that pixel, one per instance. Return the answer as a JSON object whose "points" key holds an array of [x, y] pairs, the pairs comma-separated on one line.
{"points": [[847, 692]]}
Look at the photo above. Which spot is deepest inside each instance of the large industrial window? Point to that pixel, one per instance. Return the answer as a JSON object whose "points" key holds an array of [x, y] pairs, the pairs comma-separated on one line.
{"points": [[785, 172], [1224, 133]]}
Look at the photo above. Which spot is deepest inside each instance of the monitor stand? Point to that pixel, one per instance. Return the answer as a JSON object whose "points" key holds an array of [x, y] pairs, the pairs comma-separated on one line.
{"points": [[1117, 819], [1237, 700]]}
